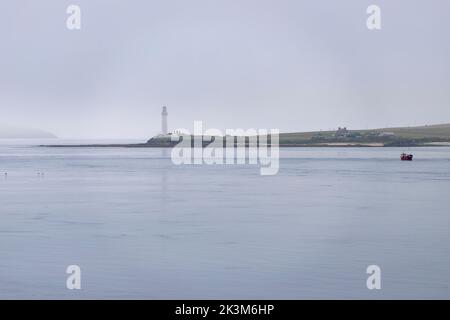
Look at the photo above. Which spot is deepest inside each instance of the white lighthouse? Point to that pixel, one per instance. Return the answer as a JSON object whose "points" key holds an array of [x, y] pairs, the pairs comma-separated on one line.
{"points": [[164, 115]]}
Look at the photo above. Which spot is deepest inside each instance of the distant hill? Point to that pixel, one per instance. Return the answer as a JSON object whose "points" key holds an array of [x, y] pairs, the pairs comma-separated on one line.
{"points": [[437, 130], [8, 132], [398, 136], [383, 137], [431, 135]]}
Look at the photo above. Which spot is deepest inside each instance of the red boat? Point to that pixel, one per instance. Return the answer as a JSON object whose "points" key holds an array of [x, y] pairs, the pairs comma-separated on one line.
{"points": [[406, 157]]}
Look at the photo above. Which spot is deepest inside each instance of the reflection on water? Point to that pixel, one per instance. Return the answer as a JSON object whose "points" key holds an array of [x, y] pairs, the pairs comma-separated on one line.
{"points": [[141, 227]]}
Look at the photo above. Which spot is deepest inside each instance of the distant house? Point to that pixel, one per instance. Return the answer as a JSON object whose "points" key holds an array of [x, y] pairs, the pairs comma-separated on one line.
{"points": [[341, 132]]}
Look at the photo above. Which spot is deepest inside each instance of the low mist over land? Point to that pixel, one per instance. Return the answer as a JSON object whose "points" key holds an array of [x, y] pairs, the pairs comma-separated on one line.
{"points": [[10, 132]]}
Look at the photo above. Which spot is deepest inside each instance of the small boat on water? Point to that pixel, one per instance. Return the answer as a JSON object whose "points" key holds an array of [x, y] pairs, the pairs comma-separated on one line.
{"points": [[406, 157]]}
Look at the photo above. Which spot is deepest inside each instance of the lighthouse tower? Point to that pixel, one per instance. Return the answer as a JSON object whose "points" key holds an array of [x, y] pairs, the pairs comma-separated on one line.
{"points": [[164, 115]]}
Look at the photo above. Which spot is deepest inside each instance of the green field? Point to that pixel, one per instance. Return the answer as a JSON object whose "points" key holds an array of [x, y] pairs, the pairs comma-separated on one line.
{"points": [[387, 136]]}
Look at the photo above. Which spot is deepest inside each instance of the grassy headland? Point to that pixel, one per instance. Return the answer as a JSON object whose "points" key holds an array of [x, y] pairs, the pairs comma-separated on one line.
{"points": [[401, 136], [431, 135]]}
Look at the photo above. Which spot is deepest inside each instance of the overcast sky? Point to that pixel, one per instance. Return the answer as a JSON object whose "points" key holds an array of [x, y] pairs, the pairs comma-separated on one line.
{"points": [[287, 64]]}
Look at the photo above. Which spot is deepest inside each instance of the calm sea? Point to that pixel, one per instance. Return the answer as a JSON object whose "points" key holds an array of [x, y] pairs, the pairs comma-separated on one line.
{"points": [[141, 227]]}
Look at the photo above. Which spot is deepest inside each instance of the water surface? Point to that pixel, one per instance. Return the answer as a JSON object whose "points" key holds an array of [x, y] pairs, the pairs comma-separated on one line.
{"points": [[141, 227]]}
